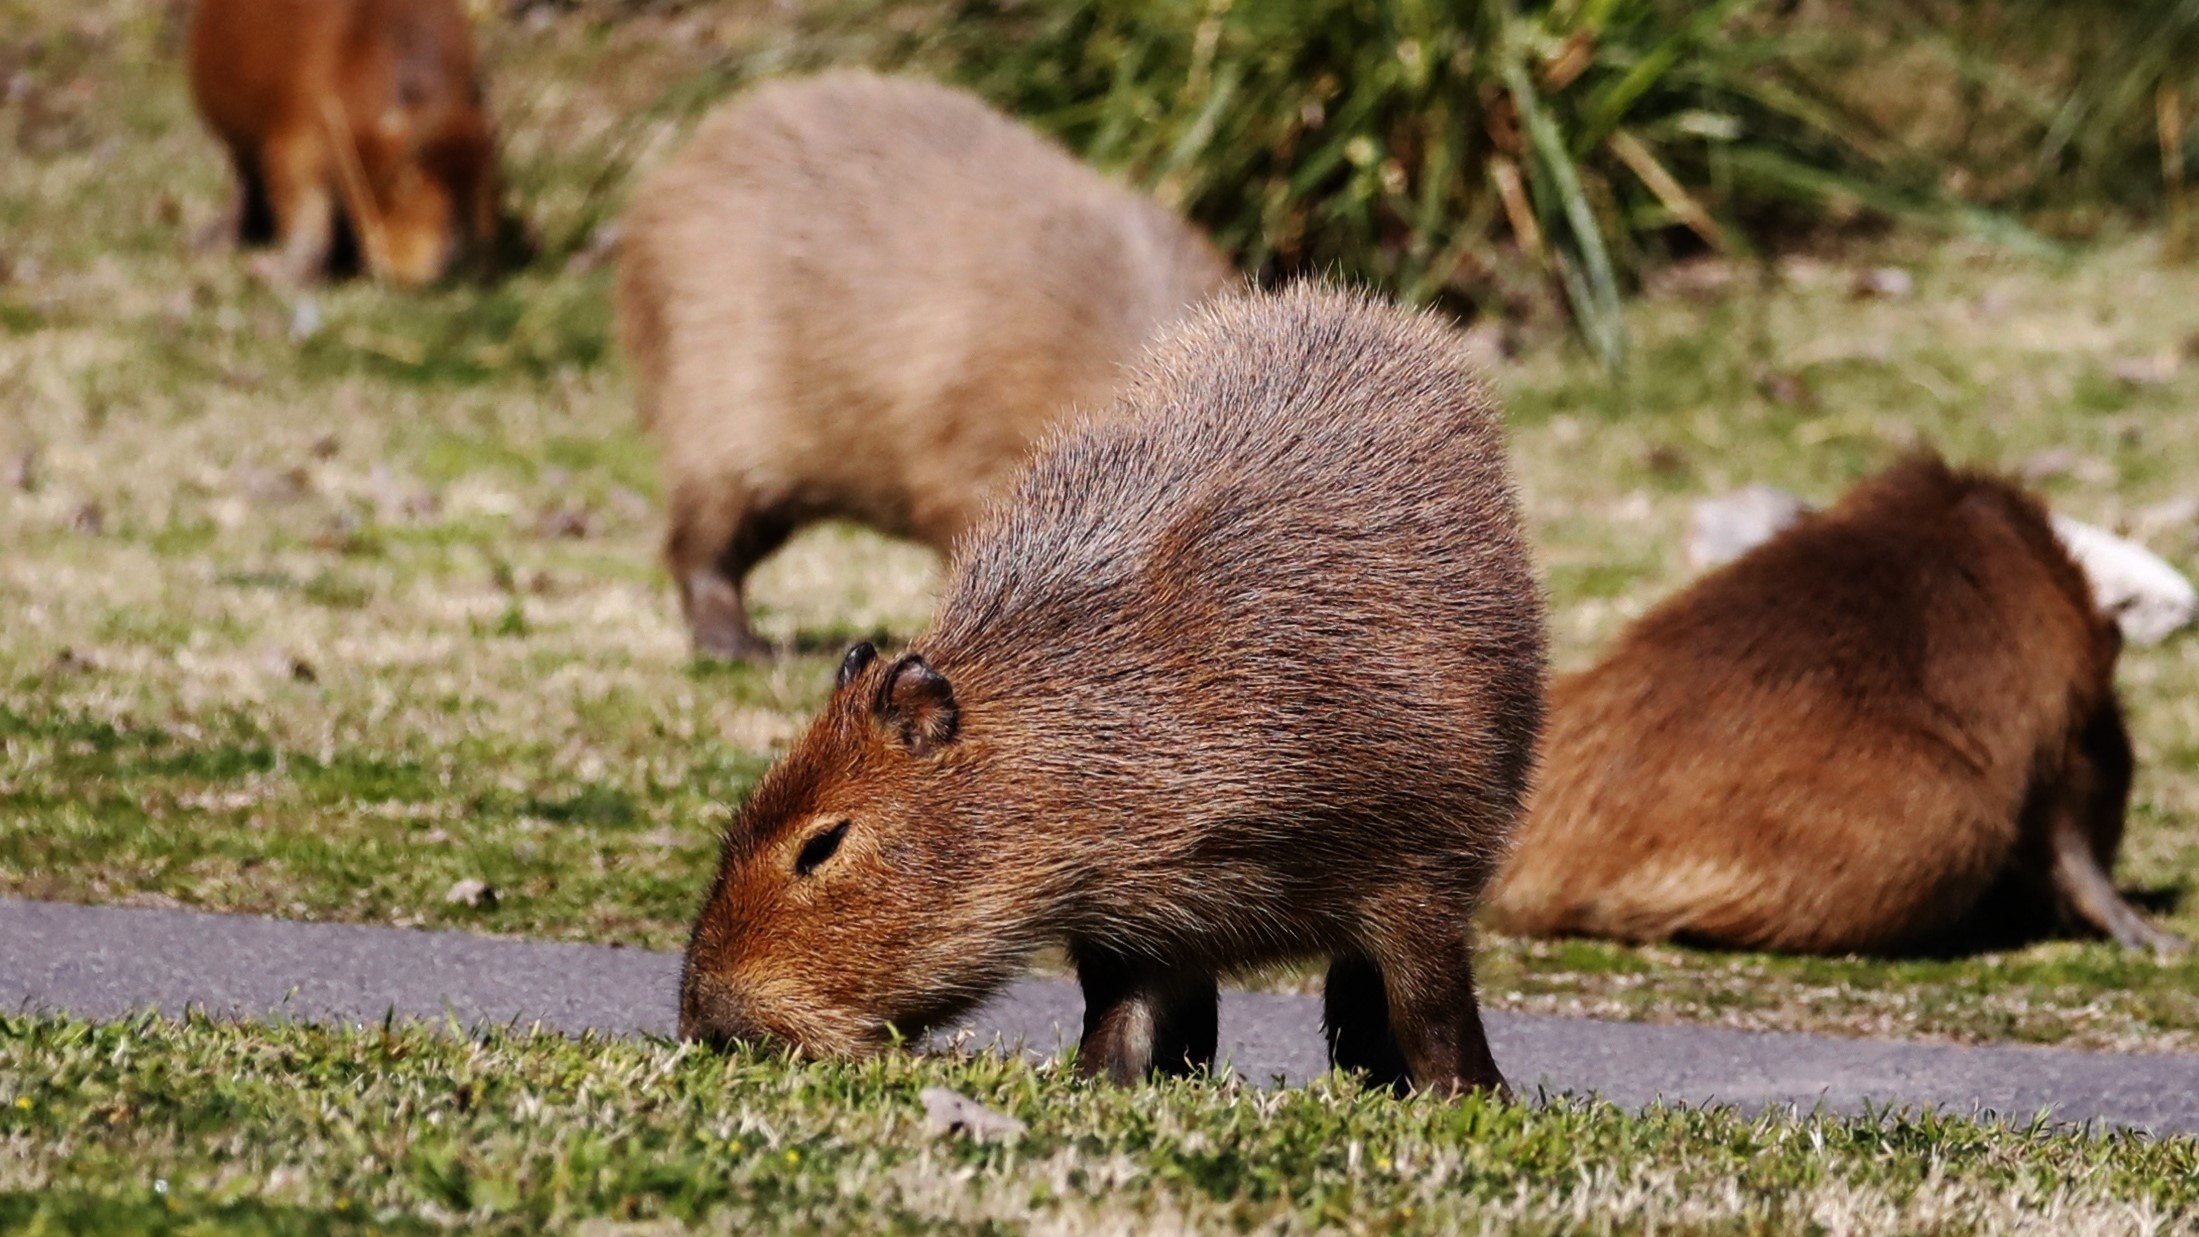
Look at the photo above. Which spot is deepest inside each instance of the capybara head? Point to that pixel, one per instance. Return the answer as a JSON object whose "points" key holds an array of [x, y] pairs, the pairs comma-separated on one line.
{"points": [[430, 165], [844, 911]]}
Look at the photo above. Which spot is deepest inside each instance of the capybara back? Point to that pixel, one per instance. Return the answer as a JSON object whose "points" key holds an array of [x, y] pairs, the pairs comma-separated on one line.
{"points": [[862, 297], [1893, 726]]}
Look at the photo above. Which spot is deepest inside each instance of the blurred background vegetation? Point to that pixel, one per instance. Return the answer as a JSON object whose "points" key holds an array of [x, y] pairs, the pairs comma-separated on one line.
{"points": [[1480, 151]]}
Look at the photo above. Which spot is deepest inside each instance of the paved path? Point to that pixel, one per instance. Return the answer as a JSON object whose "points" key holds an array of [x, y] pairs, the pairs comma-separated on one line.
{"points": [[103, 962]]}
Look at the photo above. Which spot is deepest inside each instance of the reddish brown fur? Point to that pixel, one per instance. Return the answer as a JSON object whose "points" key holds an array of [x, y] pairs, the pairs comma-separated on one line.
{"points": [[864, 298], [1250, 670], [1891, 727], [353, 125]]}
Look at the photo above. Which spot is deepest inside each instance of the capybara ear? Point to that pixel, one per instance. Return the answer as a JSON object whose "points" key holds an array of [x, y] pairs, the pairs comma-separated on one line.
{"points": [[851, 665], [917, 705]]}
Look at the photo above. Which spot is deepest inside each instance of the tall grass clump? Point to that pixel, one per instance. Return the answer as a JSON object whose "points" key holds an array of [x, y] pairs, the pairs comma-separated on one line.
{"points": [[1428, 146], [2060, 109]]}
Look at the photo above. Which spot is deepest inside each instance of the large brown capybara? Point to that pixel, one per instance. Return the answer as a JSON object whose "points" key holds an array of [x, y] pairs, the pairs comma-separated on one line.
{"points": [[1890, 728], [358, 132], [1250, 669], [863, 297]]}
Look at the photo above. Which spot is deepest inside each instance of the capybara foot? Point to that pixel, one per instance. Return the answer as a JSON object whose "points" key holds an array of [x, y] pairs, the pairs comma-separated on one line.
{"points": [[717, 622], [1355, 1013], [1142, 1021]]}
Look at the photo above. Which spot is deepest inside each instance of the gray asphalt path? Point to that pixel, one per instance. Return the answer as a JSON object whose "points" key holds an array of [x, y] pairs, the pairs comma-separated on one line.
{"points": [[104, 962]]}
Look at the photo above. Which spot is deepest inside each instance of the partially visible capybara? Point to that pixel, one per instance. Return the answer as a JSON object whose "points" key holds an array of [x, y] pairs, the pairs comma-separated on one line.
{"points": [[358, 132], [1250, 669], [1891, 727], [863, 297]]}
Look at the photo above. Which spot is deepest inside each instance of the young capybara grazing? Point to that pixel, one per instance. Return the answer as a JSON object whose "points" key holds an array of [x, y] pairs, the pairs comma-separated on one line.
{"points": [[358, 132], [864, 298], [1250, 669], [1891, 727]]}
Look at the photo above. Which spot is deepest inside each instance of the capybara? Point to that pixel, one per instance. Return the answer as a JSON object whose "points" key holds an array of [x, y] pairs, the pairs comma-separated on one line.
{"points": [[863, 297], [358, 132], [1250, 669], [1890, 728]]}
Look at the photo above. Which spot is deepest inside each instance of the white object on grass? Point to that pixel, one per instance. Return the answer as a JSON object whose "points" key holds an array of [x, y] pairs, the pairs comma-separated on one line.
{"points": [[2148, 598]]}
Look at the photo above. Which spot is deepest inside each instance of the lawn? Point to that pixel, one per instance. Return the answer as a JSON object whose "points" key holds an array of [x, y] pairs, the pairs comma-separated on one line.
{"points": [[188, 1126], [318, 605]]}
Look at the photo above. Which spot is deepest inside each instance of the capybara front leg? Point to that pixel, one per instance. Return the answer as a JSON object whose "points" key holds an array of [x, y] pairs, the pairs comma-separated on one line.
{"points": [[1434, 1015], [1355, 1014], [2087, 825], [304, 208], [1143, 1019]]}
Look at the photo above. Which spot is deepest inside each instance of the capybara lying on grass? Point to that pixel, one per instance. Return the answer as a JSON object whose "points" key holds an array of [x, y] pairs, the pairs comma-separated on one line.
{"points": [[862, 297], [1249, 670], [1891, 727], [358, 133]]}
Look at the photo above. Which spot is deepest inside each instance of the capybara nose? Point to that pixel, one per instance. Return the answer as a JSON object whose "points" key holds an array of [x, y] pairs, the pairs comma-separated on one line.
{"points": [[712, 1012]]}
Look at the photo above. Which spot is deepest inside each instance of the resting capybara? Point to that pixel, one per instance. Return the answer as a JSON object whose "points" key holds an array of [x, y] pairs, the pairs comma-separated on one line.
{"points": [[1891, 727], [1250, 669], [863, 297], [358, 132]]}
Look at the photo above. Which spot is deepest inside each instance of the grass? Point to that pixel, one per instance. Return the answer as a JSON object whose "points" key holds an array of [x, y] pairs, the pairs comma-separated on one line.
{"points": [[162, 1126], [319, 627]]}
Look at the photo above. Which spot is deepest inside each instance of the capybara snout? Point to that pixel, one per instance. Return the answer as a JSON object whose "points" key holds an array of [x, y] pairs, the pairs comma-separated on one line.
{"points": [[359, 133], [1249, 668]]}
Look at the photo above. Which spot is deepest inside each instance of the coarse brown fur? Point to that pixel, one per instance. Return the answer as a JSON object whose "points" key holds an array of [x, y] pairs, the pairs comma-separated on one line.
{"points": [[358, 133], [1250, 670], [1892, 727], [862, 297]]}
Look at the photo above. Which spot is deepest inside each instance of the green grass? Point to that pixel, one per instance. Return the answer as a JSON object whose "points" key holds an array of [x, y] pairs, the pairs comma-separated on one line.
{"points": [[318, 656], [151, 1125]]}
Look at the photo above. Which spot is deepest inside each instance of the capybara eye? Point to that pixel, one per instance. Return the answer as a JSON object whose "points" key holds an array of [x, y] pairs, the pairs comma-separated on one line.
{"points": [[819, 848]]}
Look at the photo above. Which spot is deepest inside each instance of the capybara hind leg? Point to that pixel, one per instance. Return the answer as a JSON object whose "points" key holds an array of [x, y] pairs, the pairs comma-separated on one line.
{"points": [[1355, 1014], [1434, 1016], [1142, 1019], [710, 559], [2086, 818]]}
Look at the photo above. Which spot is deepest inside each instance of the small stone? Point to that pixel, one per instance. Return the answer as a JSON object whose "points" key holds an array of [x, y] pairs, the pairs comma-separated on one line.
{"points": [[478, 894], [1889, 282], [1665, 460], [1784, 386], [277, 487], [947, 1113], [1725, 527], [2147, 371], [2048, 464], [305, 319], [341, 533], [562, 522]]}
